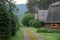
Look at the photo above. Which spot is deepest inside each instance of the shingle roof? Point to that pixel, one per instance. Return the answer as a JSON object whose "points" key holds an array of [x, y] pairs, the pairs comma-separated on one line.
{"points": [[54, 14]]}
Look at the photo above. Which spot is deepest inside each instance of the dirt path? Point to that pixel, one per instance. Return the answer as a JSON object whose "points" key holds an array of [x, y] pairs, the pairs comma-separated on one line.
{"points": [[37, 36], [25, 35], [33, 33]]}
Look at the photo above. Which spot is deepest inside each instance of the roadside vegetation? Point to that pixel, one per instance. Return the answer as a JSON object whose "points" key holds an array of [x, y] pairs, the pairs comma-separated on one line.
{"points": [[8, 19], [50, 36], [19, 35], [47, 30], [46, 36]]}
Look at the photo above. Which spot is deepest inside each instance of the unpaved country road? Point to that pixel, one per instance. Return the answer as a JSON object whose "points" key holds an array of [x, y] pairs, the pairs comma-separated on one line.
{"points": [[37, 36], [26, 36]]}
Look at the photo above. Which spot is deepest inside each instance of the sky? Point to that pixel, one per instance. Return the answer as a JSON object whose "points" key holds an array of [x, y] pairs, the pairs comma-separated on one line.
{"points": [[21, 1]]}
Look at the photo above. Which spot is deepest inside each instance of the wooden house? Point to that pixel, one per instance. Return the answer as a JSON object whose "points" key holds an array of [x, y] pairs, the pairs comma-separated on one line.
{"points": [[50, 17], [53, 17]]}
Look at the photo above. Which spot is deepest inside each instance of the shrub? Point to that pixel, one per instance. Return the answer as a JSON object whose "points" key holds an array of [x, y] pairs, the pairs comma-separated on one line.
{"points": [[42, 30], [26, 18], [31, 23], [46, 30], [35, 23], [8, 25]]}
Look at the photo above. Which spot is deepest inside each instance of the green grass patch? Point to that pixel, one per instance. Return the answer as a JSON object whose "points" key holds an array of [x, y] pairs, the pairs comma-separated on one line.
{"points": [[47, 36], [50, 36], [18, 36]]}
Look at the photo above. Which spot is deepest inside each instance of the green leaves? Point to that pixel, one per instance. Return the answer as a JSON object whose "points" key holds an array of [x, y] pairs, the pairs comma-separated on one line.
{"points": [[44, 4], [8, 19], [35, 23], [41, 4], [26, 18]]}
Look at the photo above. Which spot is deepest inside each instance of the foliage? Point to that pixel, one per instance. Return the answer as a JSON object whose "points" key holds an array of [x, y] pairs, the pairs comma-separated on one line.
{"points": [[46, 30], [26, 18], [35, 23], [15, 24], [31, 5], [44, 4], [40, 4], [19, 35], [31, 23], [7, 19]]}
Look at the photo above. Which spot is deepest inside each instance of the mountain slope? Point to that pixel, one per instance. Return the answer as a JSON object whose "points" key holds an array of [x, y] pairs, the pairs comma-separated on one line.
{"points": [[22, 8]]}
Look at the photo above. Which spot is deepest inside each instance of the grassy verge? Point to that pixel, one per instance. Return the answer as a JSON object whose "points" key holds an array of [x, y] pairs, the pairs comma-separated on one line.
{"points": [[18, 36], [30, 35], [47, 36], [50, 36]]}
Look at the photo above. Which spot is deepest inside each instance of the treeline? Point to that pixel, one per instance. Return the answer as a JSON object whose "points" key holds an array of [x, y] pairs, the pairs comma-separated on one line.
{"points": [[39, 4], [8, 20]]}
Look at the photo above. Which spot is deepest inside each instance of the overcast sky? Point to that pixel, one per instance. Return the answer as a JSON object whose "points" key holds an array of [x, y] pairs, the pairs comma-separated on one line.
{"points": [[21, 1]]}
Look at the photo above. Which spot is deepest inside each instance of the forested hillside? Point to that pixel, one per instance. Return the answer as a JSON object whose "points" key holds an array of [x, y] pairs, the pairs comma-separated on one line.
{"points": [[22, 8]]}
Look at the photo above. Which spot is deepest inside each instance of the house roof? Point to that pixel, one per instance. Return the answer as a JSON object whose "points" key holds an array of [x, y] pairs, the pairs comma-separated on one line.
{"points": [[56, 4], [54, 14]]}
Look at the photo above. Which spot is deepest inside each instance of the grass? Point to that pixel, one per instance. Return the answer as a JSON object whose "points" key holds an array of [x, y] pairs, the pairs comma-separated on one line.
{"points": [[50, 36], [31, 36], [47, 36], [18, 36]]}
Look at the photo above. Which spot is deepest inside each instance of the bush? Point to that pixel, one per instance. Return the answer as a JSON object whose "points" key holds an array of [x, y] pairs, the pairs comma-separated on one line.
{"points": [[26, 18], [45, 30], [8, 25], [35, 23], [8, 20], [14, 24], [31, 23], [42, 30]]}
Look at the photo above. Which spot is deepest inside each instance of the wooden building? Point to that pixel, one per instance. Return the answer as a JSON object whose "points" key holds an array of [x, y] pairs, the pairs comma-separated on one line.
{"points": [[50, 17], [53, 17]]}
